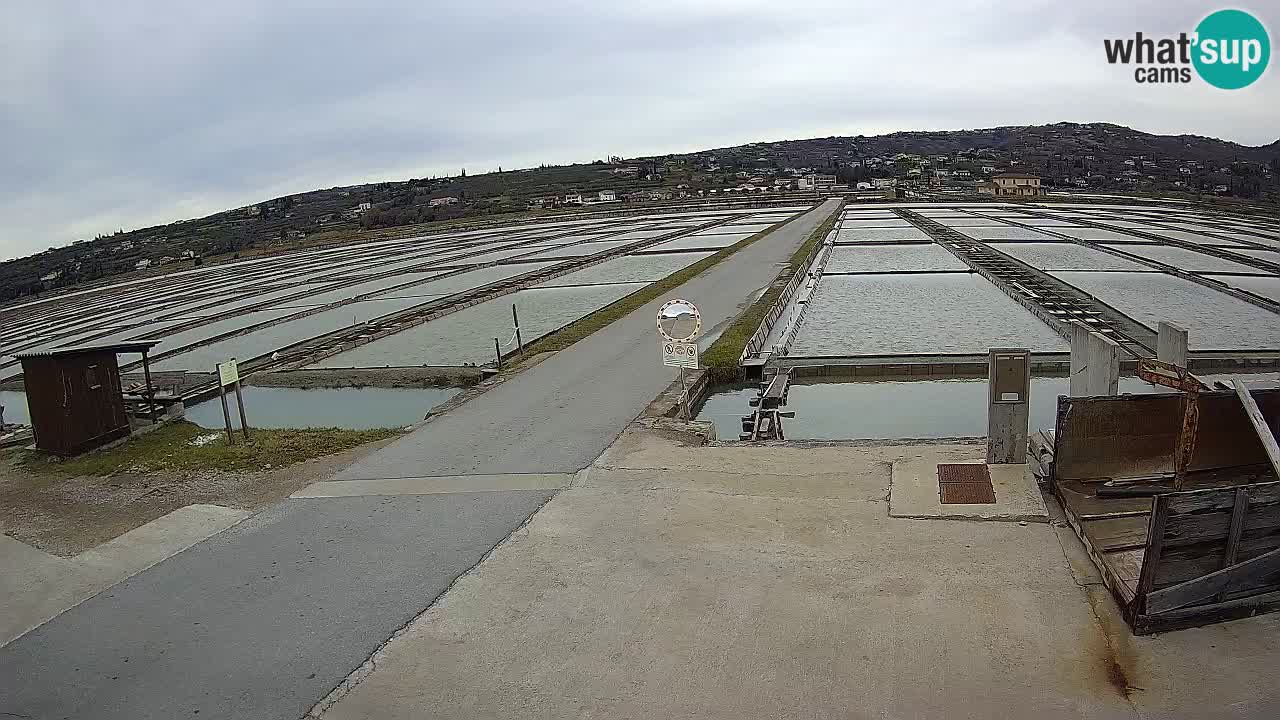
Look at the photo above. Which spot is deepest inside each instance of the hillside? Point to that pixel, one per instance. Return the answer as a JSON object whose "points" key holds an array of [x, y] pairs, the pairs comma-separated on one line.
{"points": [[1095, 156]]}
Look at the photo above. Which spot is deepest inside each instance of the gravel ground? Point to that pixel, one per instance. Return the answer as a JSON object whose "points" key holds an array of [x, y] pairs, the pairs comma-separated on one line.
{"points": [[67, 514]]}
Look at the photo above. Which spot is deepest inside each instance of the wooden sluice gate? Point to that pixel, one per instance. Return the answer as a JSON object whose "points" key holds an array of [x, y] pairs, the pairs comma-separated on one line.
{"points": [[765, 421], [1176, 497]]}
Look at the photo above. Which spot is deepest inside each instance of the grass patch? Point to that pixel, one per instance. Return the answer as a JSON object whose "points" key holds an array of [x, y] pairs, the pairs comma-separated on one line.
{"points": [[170, 448], [581, 328], [727, 349]]}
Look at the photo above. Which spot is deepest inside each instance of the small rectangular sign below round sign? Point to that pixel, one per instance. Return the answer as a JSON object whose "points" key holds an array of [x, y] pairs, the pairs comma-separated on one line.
{"points": [[228, 372], [680, 354]]}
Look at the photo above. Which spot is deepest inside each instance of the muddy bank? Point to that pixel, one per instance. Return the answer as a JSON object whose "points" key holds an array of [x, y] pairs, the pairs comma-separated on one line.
{"points": [[407, 377]]}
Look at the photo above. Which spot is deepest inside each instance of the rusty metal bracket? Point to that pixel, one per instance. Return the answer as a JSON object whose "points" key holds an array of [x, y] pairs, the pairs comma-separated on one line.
{"points": [[1165, 374]]}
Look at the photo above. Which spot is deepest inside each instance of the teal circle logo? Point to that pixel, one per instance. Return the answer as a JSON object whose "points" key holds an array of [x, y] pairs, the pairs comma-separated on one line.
{"points": [[1232, 49]]}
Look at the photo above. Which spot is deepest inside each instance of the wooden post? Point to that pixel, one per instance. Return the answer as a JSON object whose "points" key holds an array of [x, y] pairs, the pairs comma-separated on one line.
{"points": [[1150, 556], [497, 350], [516, 319], [151, 394], [1260, 426], [244, 422], [1239, 509], [226, 413]]}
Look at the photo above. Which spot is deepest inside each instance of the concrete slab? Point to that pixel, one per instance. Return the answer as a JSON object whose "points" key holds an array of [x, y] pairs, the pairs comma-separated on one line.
{"points": [[36, 586], [437, 484], [653, 592], [163, 537], [913, 491]]}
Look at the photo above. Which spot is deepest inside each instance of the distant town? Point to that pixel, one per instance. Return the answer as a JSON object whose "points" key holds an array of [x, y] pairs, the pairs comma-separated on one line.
{"points": [[1006, 162]]}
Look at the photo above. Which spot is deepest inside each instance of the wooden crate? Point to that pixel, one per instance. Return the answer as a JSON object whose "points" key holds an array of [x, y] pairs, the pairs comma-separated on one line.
{"points": [[1208, 553]]}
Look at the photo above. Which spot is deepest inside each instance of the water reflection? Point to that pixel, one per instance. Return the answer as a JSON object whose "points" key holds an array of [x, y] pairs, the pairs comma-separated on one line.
{"points": [[15, 407], [349, 408], [890, 409]]}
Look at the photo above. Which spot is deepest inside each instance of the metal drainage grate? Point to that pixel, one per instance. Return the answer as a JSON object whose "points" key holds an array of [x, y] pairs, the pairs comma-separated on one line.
{"points": [[965, 484]]}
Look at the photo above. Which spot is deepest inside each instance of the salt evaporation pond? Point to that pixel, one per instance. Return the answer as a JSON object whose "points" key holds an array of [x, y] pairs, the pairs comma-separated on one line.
{"points": [[943, 313], [895, 409], [1214, 320], [466, 336], [14, 403], [348, 408]]}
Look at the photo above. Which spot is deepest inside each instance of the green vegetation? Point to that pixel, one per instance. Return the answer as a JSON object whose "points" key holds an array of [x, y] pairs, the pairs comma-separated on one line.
{"points": [[583, 327], [727, 349], [175, 447]]}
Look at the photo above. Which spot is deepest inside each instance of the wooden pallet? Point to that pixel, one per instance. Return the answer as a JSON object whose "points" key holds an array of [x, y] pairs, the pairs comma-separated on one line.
{"points": [[1174, 559]]}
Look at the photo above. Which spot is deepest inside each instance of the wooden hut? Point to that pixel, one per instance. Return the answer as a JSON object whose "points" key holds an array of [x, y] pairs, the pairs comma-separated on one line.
{"points": [[75, 398]]}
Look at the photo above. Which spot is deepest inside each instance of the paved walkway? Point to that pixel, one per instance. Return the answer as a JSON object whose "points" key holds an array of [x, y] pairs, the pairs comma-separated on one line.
{"points": [[561, 414], [772, 582], [263, 620]]}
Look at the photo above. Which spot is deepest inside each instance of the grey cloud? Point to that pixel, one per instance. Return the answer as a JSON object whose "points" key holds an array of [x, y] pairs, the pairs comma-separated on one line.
{"points": [[129, 113]]}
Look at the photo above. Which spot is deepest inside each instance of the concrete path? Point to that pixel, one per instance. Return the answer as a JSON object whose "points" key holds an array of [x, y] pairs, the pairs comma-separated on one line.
{"points": [[771, 582], [560, 415], [261, 621], [36, 586], [265, 619]]}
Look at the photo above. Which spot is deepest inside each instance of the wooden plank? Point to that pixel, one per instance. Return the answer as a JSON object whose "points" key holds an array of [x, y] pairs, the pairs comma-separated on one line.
{"points": [[1198, 615], [1126, 565], [1235, 531], [1102, 438], [1237, 527], [1155, 546], [1217, 526], [1194, 501], [1260, 425], [1182, 563], [1121, 533], [1201, 588], [1082, 501], [1136, 435], [1121, 590]]}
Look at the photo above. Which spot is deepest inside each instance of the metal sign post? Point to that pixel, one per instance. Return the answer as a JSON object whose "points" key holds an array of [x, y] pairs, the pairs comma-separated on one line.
{"points": [[229, 375], [678, 323], [515, 318], [226, 414], [244, 422]]}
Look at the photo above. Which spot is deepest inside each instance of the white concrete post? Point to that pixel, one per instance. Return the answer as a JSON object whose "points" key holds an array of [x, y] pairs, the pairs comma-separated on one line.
{"points": [[1095, 363], [1171, 344], [1104, 365], [1079, 361]]}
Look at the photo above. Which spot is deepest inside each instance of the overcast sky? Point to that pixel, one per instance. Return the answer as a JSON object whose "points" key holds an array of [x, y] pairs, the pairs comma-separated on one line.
{"points": [[124, 114]]}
